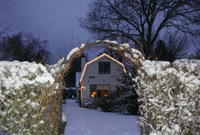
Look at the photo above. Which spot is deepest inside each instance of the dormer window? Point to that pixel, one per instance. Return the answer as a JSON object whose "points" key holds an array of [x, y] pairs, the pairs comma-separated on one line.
{"points": [[104, 67]]}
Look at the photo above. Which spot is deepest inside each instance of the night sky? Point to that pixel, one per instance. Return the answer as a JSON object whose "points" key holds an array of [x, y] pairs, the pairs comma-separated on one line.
{"points": [[52, 20]]}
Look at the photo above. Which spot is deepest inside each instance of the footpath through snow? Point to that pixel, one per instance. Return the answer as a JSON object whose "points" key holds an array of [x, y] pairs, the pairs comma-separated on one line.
{"points": [[82, 121]]}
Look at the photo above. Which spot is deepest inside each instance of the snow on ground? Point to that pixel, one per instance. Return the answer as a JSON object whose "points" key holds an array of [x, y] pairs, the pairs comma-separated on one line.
{"points": [[82, 121]]}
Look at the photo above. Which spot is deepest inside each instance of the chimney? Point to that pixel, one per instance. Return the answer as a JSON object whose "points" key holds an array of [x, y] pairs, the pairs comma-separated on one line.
{"points": [[83, 61]]}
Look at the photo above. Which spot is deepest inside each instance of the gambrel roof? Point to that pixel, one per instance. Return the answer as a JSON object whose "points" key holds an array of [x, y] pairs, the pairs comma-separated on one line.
{"points": [[101, 56]]}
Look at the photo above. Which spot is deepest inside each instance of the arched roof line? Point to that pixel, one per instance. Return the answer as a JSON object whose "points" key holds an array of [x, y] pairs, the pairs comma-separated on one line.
{"points": [[83, 73]]}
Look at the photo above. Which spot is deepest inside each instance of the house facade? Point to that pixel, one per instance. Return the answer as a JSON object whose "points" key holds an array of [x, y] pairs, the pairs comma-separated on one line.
{"points": [[99, 77]]}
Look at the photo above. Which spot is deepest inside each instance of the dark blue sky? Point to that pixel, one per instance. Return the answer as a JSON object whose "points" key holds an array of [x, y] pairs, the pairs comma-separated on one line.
{"points": [[54, 20]]}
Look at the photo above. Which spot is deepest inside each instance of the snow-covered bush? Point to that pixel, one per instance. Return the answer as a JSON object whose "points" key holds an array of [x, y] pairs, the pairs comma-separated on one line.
{"points": [[122, 103], [170, 97], [169, 93], [107, 104], [127, 101], [29, 98], [89, 103]]}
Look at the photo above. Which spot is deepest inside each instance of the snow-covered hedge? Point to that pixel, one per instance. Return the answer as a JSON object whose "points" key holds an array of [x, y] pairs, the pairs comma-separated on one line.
{"points": [[170, 97], [169, 93], [29, 98]]}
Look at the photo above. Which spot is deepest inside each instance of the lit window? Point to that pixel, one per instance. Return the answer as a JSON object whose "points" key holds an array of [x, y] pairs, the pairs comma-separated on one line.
{"points": [[104, 67], [98, 91], [105, 93], [92, 93]]}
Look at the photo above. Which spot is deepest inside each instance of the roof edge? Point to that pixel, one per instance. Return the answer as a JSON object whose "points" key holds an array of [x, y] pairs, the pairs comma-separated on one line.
{"points": [[97, 58]]}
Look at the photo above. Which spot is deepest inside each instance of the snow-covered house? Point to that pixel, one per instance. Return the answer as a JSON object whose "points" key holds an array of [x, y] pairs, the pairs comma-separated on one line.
{"points": [[98, 77]]}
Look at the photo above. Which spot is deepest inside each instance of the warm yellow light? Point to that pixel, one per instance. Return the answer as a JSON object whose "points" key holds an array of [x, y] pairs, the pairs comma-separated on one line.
{"points": [[92, 95], [81, 91], [105, 95]]}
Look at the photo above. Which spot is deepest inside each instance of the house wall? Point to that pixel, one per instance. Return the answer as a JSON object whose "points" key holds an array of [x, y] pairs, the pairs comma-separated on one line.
{"points": [[102, 79]]}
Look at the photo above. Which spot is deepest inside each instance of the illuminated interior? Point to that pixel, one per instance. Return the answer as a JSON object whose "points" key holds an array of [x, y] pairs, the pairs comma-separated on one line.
{"points": [[93, 94], [105, 93]]}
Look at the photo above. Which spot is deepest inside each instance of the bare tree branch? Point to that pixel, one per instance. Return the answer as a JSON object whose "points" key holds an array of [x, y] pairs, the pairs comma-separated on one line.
{"points": [[141, 19]]}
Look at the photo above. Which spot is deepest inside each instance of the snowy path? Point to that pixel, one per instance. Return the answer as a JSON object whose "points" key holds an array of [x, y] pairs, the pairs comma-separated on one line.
{"points": [[82, 121]]}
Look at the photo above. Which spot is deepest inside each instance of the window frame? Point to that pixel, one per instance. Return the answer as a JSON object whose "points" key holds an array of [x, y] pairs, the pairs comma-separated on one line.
{"points": [[104, 67], [99, 91]]}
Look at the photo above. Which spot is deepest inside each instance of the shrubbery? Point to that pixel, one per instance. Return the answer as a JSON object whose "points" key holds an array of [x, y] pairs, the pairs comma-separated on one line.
{"points": [[124, 104], [125, 99], [107, 104], [127, 103], [89, 103], [30, 100], [170, 96]]}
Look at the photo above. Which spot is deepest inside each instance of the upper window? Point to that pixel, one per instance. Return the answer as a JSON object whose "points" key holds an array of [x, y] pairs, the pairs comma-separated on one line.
{"points": [[104, 67]]}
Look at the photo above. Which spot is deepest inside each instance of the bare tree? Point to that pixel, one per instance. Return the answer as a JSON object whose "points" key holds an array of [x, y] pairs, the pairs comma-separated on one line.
{"points": [[3, 30], [141, 21], [24, 47], [112, 54], [171, 48]]}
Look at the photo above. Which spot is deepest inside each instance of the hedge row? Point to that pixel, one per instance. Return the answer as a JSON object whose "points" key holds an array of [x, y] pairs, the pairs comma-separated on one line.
{"points": [[30, 98]]}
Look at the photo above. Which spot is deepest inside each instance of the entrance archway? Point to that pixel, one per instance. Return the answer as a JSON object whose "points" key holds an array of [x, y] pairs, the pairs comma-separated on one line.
{"points": [[133, 56], [162, 84]]}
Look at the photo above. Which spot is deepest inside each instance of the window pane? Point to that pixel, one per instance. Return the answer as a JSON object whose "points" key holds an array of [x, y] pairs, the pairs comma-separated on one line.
{"points": [[105, 93], [99, 93], [107, 67], [105, 87], [101, 67], [104, 67], [93, 93], [99, 87], [93, 87]]}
